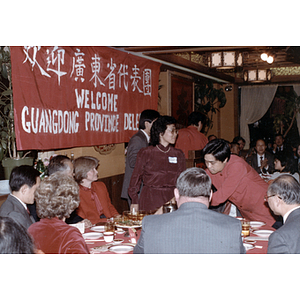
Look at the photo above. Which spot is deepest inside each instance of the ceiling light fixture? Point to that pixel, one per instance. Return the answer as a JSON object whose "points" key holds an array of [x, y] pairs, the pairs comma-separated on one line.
{"points": [[268, 58], [225, 60], [257, 75]]}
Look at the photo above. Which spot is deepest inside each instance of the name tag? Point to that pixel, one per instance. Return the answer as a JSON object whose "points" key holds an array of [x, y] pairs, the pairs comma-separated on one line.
{"points": [[173, 160]]}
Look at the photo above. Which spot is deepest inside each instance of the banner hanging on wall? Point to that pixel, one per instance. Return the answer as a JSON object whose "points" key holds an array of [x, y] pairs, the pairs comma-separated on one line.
{"points": [[79, 96]]}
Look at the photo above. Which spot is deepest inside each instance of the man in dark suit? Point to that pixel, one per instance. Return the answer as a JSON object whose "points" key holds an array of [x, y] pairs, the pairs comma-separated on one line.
{"points": [[284, 199], [137, 142], [192, 228], [261, 161], [23, 182]]}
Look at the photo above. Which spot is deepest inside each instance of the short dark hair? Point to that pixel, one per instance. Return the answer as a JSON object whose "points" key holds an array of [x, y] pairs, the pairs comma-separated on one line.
{"points": [[14, 238], [58, 164], [160, 126], [194, 182], [238, 138], [289, 163], [22, 175], [147, 115], [287, 188], [219, 148], [195, 117]]}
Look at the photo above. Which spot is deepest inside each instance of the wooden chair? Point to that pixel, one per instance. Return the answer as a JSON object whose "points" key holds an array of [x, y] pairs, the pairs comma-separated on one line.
{"points": [[2, 199]]}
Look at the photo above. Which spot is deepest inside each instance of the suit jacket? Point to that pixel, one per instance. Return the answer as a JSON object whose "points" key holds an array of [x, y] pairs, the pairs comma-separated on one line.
{"points": [[252, 161], [286, 239], [192, 228], [240, 184], [136, 143], [14, 209]]}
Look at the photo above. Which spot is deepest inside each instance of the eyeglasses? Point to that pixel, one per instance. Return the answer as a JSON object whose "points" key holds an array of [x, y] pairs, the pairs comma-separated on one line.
{"points": [[267, 197], [173, 131]]}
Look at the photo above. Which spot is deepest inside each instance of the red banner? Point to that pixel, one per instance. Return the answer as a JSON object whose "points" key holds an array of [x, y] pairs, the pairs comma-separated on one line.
{"points": [[79, 96]]}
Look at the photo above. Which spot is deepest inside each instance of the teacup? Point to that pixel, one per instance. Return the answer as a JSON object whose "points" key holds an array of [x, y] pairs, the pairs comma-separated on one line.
{"points": [[108, 236]]}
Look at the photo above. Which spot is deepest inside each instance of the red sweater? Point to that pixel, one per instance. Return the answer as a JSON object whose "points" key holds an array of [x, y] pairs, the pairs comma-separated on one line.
{"points": [[190, 139], [54, 236]]}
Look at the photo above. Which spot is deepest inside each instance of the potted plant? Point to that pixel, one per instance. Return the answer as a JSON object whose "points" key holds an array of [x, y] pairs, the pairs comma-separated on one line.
{"points": [[208, 100], [9, 155]]}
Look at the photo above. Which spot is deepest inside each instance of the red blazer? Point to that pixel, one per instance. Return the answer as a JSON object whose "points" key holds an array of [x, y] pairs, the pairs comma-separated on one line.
{"points": [[190, 139], [87, 208], [240, 183], [54, 236]]}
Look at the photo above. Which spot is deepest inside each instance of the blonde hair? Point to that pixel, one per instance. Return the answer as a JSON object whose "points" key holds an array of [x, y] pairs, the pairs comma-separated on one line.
{"points": [[56, 196], [82, 165]]}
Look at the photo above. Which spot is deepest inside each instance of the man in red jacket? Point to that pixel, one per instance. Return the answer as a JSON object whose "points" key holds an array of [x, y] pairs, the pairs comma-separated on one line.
{"points": [[237, 182], [191, 138]]}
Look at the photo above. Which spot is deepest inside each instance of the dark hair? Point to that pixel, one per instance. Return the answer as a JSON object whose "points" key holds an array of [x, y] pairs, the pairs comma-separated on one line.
{"points": [[147, 115], [195, 117], [219, 148], [289, 163], [14, 238], [287, 188], [158, 127], [194, 182], [22, 175], [58, 164], [238, 138]]}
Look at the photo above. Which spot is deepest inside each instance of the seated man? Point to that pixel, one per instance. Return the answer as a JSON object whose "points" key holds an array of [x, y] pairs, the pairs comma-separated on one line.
{"points": [[261, 161], [284, 199], [193, 228], [23, 182]]}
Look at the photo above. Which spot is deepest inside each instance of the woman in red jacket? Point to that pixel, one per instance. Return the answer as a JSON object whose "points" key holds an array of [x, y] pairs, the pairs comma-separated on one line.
{"points": [[95, 202], [56, 197]]}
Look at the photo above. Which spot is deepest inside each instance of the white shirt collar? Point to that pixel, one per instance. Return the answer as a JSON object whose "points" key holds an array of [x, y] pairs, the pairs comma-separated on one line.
{"points": [[258, 158], [288, 213], [25, 206], [147, 136]]}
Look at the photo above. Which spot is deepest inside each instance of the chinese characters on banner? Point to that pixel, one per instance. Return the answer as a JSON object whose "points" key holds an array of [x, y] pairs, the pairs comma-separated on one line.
{"points": [[79, 96]]}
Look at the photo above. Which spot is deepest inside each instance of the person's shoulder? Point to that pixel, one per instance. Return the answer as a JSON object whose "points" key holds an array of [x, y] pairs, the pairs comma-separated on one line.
{"points": [[224, 218]]}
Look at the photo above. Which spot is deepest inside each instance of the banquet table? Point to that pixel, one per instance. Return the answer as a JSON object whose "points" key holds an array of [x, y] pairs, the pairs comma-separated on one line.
{"points": [[260, 243], [99, 246]]}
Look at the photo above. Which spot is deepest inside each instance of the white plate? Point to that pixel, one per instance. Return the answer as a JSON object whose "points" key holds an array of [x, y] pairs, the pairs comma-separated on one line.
{"points": [[263, 233], [119, 231], [248, 246], [127, 226], [122, 248], [92, 235], [256, 224], [98, 228]]}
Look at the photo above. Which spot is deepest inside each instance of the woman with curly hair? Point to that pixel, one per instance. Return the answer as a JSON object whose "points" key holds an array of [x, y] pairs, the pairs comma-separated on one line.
{"points": [[95, 203], [56, 198], [157, 167]]}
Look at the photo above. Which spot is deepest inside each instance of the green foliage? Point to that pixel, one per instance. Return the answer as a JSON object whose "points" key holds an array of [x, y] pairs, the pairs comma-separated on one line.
{"points": [[284, 122], [208, 100], [7, 137]]}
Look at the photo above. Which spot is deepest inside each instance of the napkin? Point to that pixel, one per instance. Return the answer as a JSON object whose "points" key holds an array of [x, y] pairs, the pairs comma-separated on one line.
{"points": [[79, 225]]}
